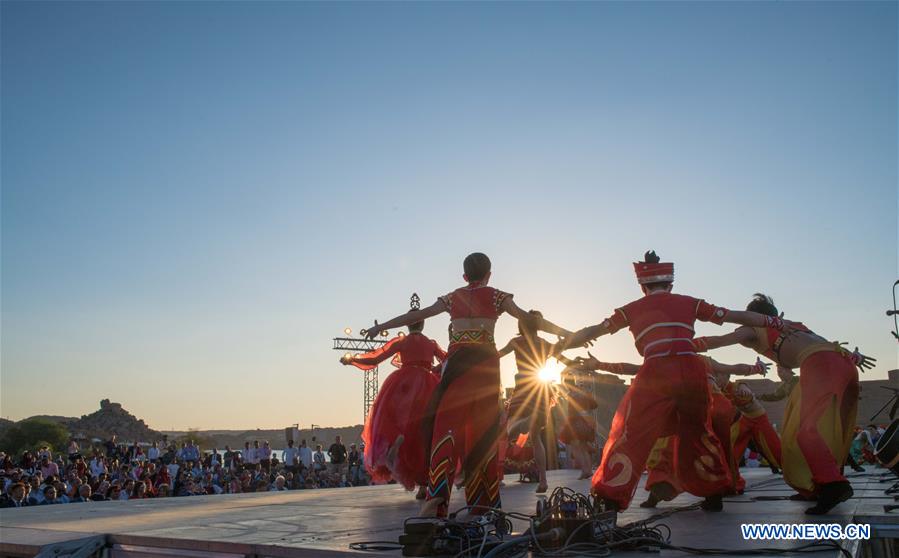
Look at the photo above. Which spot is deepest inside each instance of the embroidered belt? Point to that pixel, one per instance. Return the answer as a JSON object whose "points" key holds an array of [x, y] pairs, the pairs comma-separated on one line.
{"points": [[481, 336]]}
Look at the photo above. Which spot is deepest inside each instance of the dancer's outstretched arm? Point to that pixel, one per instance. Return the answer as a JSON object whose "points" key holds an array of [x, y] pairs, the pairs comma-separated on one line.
{"points": [[623, 368], [741, 369], [753, 319], [542, 324], [740, 336], [510, 346], [406, 319], [583, 336]]}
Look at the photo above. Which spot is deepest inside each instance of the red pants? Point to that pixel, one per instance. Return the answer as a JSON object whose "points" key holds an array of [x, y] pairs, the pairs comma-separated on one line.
{"points": [[759, 430], [661, 462], [669, 395], [819, 421], [466, 429]]}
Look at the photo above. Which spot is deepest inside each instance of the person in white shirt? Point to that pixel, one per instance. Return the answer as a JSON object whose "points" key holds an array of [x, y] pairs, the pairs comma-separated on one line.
{"points": [[249, 456], [278, 485], [291, 455], [305, 454], [153, 452], [98, 466]]}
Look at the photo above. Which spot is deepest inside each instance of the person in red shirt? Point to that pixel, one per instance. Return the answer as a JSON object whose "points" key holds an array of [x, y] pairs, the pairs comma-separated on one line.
{"points": [[669, 394], [662, 483], [820, 414], [464, 412], [394, 443]]}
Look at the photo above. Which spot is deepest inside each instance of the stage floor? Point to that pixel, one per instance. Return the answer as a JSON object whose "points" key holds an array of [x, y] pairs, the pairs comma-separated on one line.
{"points": [[324, 522]]}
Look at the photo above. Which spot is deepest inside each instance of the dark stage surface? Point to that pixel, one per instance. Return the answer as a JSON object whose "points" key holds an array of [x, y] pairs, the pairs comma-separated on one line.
{"points": [[324, 522]]}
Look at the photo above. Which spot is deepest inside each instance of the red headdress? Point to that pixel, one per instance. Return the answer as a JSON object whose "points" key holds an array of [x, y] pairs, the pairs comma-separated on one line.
{"points": [[651, 270]]}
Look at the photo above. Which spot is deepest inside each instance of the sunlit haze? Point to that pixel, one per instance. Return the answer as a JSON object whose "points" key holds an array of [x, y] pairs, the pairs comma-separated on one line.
{"points": [[198, 196]]}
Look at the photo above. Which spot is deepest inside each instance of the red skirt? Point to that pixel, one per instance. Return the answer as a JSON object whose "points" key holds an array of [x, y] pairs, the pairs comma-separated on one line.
{"points": [[399, 409], [578, 428]]}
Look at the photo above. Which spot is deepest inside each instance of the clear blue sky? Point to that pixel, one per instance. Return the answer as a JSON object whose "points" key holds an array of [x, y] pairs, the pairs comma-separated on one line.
{"points": [[196, 197]]}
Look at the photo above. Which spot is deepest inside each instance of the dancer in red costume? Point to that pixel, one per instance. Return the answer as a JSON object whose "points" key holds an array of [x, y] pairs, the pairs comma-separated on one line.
{"points": [[579, 429], [752, 425], [820, 415], [532, 398], [662, 482], [670, 393], [465, 407], [394, 445]]}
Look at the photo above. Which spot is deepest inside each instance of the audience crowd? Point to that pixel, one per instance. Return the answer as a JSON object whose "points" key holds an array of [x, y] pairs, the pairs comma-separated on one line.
{"points": [[114, 471]]}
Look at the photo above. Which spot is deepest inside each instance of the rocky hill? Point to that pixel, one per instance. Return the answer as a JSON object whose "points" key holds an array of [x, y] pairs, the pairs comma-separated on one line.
{"points": [[112, 419]]}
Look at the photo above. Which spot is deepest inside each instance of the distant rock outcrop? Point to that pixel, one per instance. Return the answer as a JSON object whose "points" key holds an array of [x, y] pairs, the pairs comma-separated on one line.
{"points": [[112, 419]]}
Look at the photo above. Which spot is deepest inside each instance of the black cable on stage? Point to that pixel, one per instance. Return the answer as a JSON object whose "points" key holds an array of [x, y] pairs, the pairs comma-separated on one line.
{"points": [[376, 546]]}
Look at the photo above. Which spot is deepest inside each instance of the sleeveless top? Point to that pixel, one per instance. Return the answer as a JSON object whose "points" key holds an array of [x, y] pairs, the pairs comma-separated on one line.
{"points": [[473, 302]]}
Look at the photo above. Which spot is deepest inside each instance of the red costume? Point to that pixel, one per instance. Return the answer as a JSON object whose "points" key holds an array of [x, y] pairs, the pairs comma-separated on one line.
{"points": [[465, 407], [661, 459], [669, 395], [752, 425], [821, 411], [580, 425], [398, 410]]}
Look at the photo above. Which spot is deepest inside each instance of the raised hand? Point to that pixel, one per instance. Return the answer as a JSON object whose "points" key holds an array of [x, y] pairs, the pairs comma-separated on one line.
{"points": [[372, 332], [760, 367], [862, 361]]}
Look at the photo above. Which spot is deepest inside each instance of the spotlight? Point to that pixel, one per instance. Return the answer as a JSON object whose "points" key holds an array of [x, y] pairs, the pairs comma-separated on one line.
{"points": [[348, 331], [347, 356], [385, 333]]}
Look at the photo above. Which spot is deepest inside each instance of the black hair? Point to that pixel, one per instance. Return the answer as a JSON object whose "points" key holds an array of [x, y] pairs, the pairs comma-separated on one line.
{"points": [[529, 325], [417, 326], [651, 257], [476, 266], [763, 304]]}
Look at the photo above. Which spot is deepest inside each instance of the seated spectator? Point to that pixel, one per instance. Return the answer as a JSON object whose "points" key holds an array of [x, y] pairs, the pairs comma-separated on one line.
{"points": [[61, 492], [16, 496], [279, 484], [139, 491], [50, 496], [127, 489], [162, 491], [84, 494]]}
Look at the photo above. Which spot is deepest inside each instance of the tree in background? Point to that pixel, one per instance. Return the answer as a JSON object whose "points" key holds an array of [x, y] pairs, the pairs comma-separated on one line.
{"points": [[32, 433]]}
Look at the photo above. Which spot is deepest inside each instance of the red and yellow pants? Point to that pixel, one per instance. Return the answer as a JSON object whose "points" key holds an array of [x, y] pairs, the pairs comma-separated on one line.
{"points": [[466, 417], [661, 459], [669, 395], [759, 430], [819, 421]]}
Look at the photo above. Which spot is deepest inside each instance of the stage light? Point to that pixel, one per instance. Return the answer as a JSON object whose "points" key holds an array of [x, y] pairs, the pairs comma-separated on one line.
{"points": [[385, 333], [348, 331], [401, 334], [347, 356]]}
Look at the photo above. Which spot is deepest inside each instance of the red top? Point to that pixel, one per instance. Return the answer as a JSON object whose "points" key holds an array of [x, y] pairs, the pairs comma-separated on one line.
{"points": [[662, 322], [770, 339], [474, 302], [414, 349]]}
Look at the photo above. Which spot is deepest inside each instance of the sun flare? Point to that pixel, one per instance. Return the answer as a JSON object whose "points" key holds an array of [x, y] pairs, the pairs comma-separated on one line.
{"points": [[551, 373]]}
